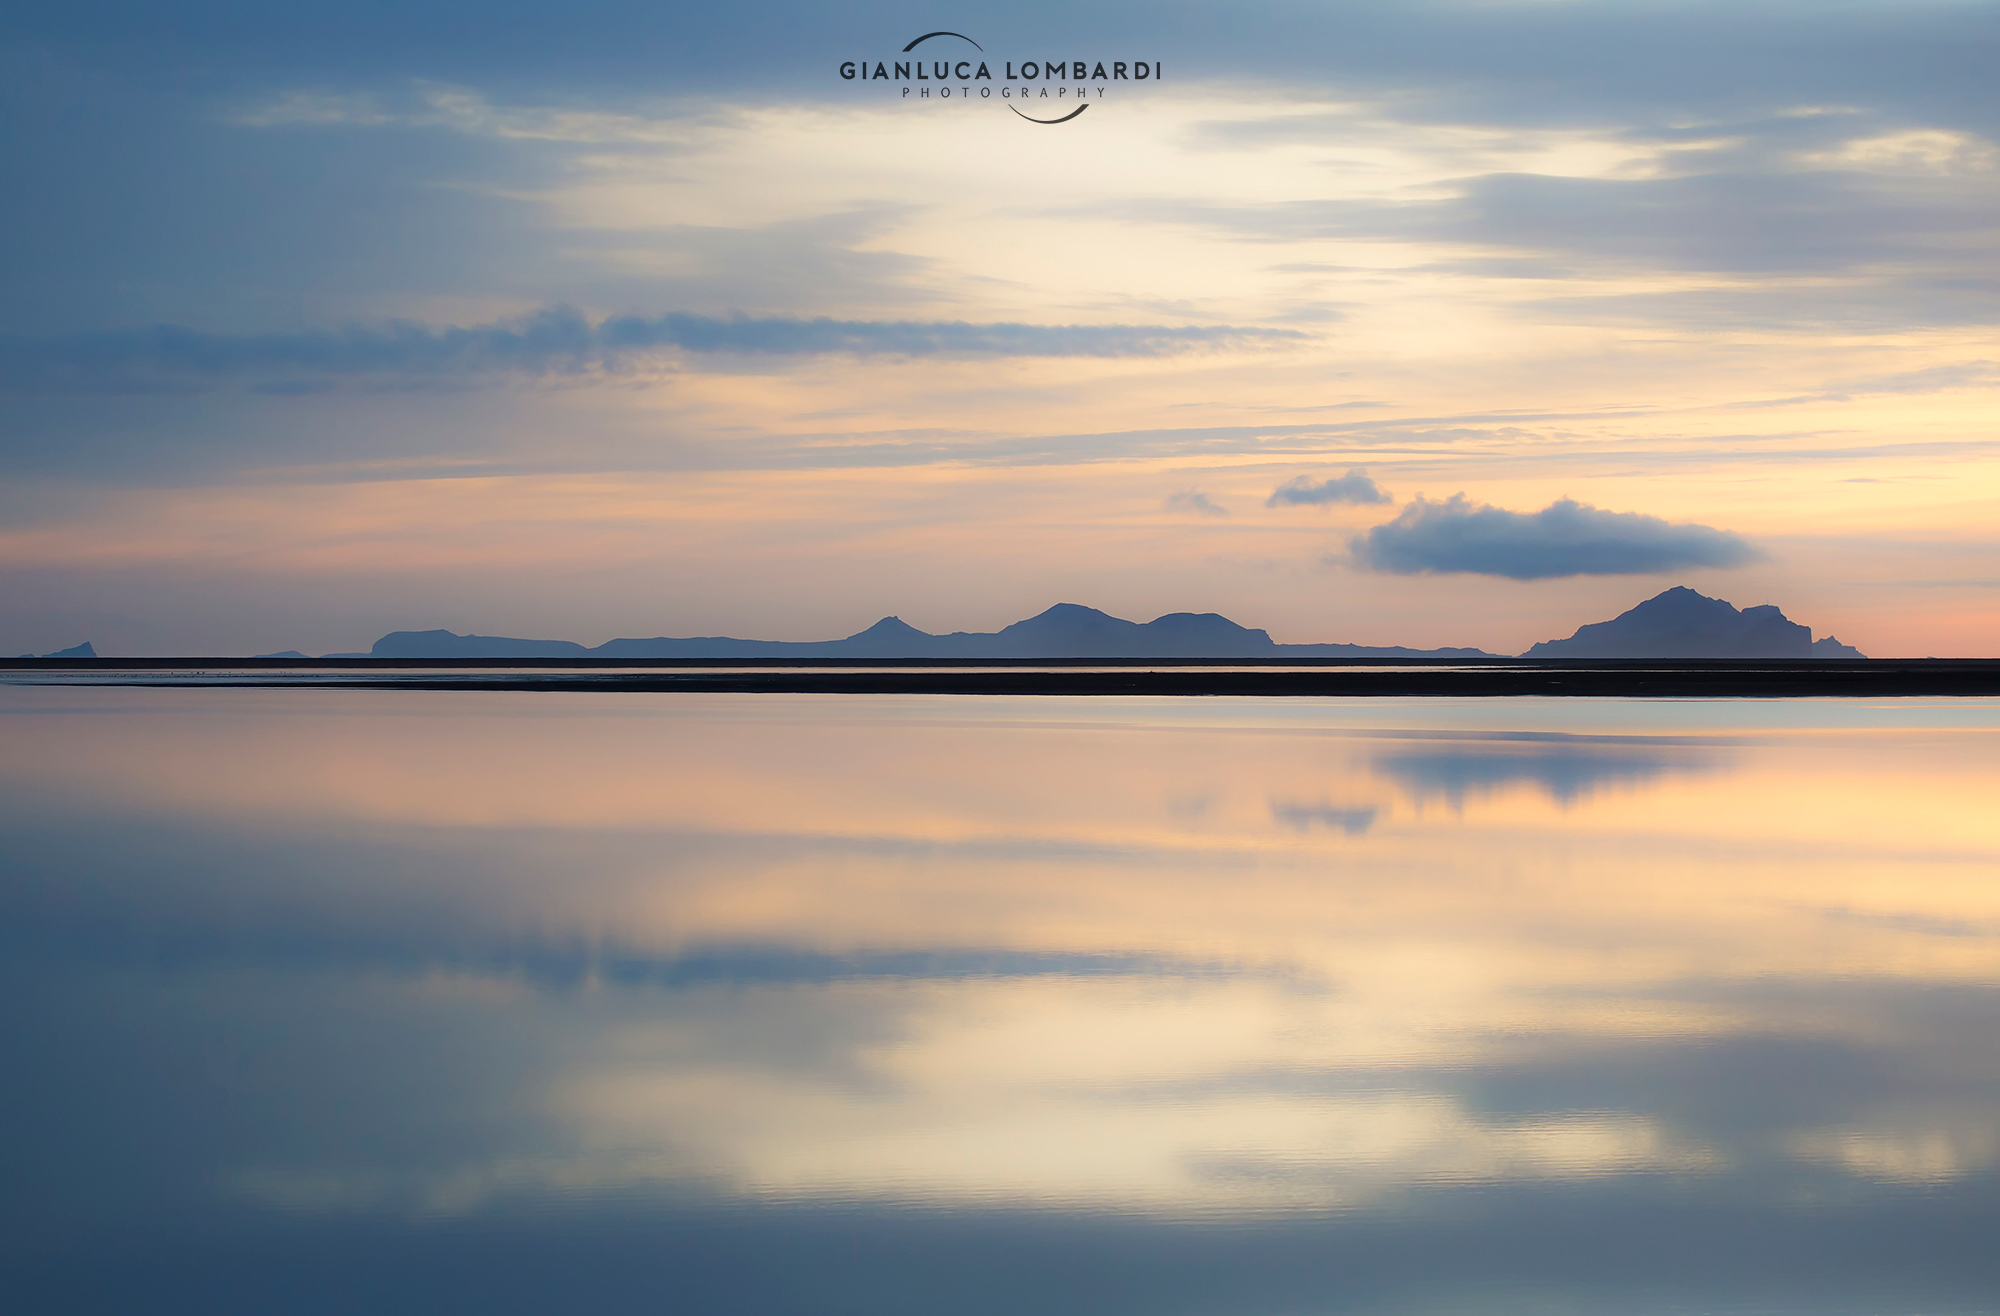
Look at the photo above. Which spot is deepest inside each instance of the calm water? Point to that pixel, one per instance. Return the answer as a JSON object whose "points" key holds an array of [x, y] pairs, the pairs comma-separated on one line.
{"points": [[383, 1001]]}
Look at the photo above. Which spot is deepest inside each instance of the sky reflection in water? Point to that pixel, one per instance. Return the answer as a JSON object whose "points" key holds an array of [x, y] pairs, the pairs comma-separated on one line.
{"points": [[334, 999]]}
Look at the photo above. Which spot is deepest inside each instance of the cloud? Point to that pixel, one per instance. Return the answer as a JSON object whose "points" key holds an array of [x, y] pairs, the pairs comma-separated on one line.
{"points": [[956, 338], [1757, 218], [1934, 379], [1488, 62], [554, 341], [1855, 305], [1861, 219], [1197, 503], [1566, 538], [1353, 487]]}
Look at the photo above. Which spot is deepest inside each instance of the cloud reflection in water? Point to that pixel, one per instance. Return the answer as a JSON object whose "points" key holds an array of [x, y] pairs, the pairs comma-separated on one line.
{"points": [[427, 962]]}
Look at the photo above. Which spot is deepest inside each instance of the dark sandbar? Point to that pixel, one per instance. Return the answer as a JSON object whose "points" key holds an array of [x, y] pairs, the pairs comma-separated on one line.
{"points": [[1630, 678]]}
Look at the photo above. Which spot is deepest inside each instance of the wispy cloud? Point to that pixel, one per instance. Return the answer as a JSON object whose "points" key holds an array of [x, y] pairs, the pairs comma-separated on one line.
{"points": [[462, 109], [1198, 503], [1566, 538], [1354, 487], [553, 342], [1767, 222]]}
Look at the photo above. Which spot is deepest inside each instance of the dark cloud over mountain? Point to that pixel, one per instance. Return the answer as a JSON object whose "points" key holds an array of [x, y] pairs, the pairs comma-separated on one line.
{"points": [[1566, 538]]}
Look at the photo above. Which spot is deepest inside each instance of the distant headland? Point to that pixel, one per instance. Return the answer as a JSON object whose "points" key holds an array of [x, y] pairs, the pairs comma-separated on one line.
{"points": [[1067, 630], [1678, 623]]}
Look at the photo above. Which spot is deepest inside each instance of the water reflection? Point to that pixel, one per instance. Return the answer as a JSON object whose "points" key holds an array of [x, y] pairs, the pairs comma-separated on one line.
{"points": [[1568, 771], [1192, 1007], [1303, 817]]}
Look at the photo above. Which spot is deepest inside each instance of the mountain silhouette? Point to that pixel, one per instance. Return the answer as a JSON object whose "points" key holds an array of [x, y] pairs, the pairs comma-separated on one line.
{"points": [[1068, 630], [444, 644], [75, 651], [1681, 623], [1678, 623]]}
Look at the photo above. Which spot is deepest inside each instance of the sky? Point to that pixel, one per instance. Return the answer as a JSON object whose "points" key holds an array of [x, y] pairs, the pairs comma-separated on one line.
{"points": [[1402, 323]]}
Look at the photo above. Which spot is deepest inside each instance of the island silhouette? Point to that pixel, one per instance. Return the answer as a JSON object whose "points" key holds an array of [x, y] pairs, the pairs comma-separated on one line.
{"points": [[1068, 630], [1678, 623]]}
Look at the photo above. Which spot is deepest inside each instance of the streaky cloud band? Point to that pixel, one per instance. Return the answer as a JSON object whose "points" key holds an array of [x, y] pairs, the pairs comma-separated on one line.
{"points": [[558, 341]]}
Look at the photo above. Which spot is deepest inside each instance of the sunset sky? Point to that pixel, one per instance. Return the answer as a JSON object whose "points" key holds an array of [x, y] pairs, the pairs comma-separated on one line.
{"points": [[323, 320]]}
